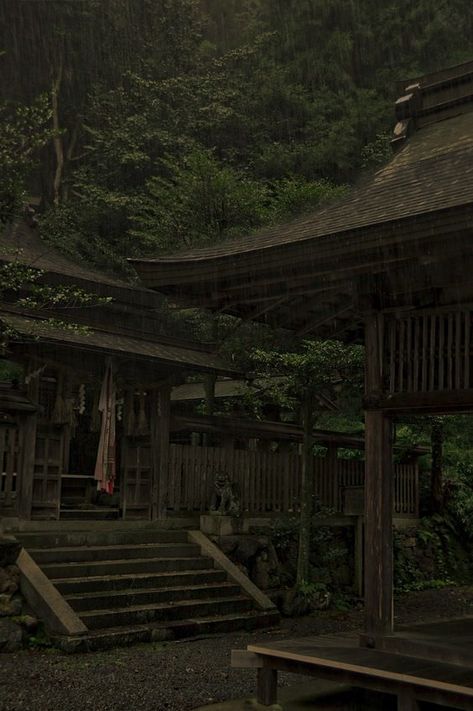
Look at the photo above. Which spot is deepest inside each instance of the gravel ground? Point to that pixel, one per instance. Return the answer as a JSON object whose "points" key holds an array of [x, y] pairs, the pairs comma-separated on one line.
{"points": [[183, 675]]}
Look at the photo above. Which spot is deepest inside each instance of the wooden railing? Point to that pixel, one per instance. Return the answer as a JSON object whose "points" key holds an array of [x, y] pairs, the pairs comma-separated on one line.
{"points": [[428, 352], [271, 482], [8, 466]]}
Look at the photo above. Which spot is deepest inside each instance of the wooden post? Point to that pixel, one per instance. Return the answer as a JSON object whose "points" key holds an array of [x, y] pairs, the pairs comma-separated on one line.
{"points": [[27, 444], [267, 686], [332, 461], [307, 490], [160, 400], [359, 555], [378, 493]]}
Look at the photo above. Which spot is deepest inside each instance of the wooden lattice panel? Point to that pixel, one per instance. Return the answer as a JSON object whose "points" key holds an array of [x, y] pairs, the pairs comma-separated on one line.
{"points": [[430, 352]]}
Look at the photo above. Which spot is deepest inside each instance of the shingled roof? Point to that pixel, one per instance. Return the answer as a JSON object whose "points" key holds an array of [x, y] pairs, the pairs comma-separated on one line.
{"points": [[43, 331], [397, 216], [21, 242]]}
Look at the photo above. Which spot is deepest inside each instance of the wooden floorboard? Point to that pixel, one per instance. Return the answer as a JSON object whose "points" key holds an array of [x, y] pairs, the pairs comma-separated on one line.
{"points": [[333, 654]]}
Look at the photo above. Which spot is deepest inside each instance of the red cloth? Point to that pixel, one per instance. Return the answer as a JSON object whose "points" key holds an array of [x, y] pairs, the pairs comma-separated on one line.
{"points": [[105, 467]]}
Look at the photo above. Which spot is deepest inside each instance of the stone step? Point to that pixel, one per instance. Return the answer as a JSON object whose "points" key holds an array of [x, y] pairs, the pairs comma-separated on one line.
{"points": [[114, 583], [123, 567], [162, 631], [148, 596], [64, 539], [165, 612], [79, 554]]}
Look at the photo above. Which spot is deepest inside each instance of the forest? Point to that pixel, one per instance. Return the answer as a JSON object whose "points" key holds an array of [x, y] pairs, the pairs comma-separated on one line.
{"points": [[141, 127], [149, 126]]}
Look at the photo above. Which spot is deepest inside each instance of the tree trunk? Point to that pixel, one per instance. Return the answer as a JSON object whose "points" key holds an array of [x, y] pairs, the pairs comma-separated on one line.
{"points": [[436, 483], [57, 140], [307, 490]]}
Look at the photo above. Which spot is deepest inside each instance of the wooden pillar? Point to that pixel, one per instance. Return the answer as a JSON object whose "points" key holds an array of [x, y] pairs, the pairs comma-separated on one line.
{"points": [[27, 444], [378, 493], [267, 686], [26, 460], [378, 525], [332, 463], [160, 400], [359, 564]]}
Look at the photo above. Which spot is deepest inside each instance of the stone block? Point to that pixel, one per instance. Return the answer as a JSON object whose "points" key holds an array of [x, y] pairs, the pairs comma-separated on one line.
{"points": [[9, 581], [10, 606], [217, 525]]}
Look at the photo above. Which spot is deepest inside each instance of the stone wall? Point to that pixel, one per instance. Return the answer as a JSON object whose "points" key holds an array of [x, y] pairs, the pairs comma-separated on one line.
{"points": [[15, 624]]}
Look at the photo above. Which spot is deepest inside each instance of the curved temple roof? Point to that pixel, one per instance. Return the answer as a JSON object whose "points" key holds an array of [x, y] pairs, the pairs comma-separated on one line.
{"points": [[305, 274]]}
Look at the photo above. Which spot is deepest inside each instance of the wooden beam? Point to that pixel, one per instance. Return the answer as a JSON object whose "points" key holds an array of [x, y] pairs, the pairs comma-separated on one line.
{"points": [[441, 402], [428, 229]]}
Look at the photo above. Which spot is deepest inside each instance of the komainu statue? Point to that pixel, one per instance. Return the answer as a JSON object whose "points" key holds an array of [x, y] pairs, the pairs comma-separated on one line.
{"points": [[225, 500]]}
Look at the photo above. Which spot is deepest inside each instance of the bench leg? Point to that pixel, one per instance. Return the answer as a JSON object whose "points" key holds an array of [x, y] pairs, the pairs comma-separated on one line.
{"points": [[267, 686], [406, 701]]}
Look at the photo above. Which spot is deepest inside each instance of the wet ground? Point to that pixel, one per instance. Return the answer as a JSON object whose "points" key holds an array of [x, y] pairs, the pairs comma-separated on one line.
{"points": [[180, 676]]}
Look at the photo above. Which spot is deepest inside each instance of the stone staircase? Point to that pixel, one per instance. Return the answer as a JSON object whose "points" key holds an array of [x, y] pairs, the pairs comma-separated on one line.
{"points": [[141, 585]]}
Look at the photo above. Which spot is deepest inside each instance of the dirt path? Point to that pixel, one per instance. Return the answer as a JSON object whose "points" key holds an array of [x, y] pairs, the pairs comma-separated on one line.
{"points": [[178, 676]]}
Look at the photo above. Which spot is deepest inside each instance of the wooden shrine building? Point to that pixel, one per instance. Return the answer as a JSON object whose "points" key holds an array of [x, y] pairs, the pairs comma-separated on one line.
{"points": [[50, 420], [390, 264]]}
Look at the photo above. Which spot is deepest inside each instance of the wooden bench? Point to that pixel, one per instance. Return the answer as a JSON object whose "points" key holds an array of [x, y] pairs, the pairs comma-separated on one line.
{"points": [[341, 659]]}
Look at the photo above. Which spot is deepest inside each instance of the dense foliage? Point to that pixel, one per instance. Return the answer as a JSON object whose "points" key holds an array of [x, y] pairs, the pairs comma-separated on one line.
{"points": [[174, 122]]}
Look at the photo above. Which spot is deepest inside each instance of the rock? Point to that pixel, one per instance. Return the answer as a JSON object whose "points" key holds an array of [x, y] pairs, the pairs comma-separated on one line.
{"points": [[246, 549], [10, 606], [29, 623], [228, 544], [9, 551], [294, 604], [11, 636], [9, 582], [321, 600], [261, 570]]}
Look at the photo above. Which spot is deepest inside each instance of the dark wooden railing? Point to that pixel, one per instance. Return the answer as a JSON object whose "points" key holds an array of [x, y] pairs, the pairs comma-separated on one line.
{"points": [[271, 482], [428, 352]]}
